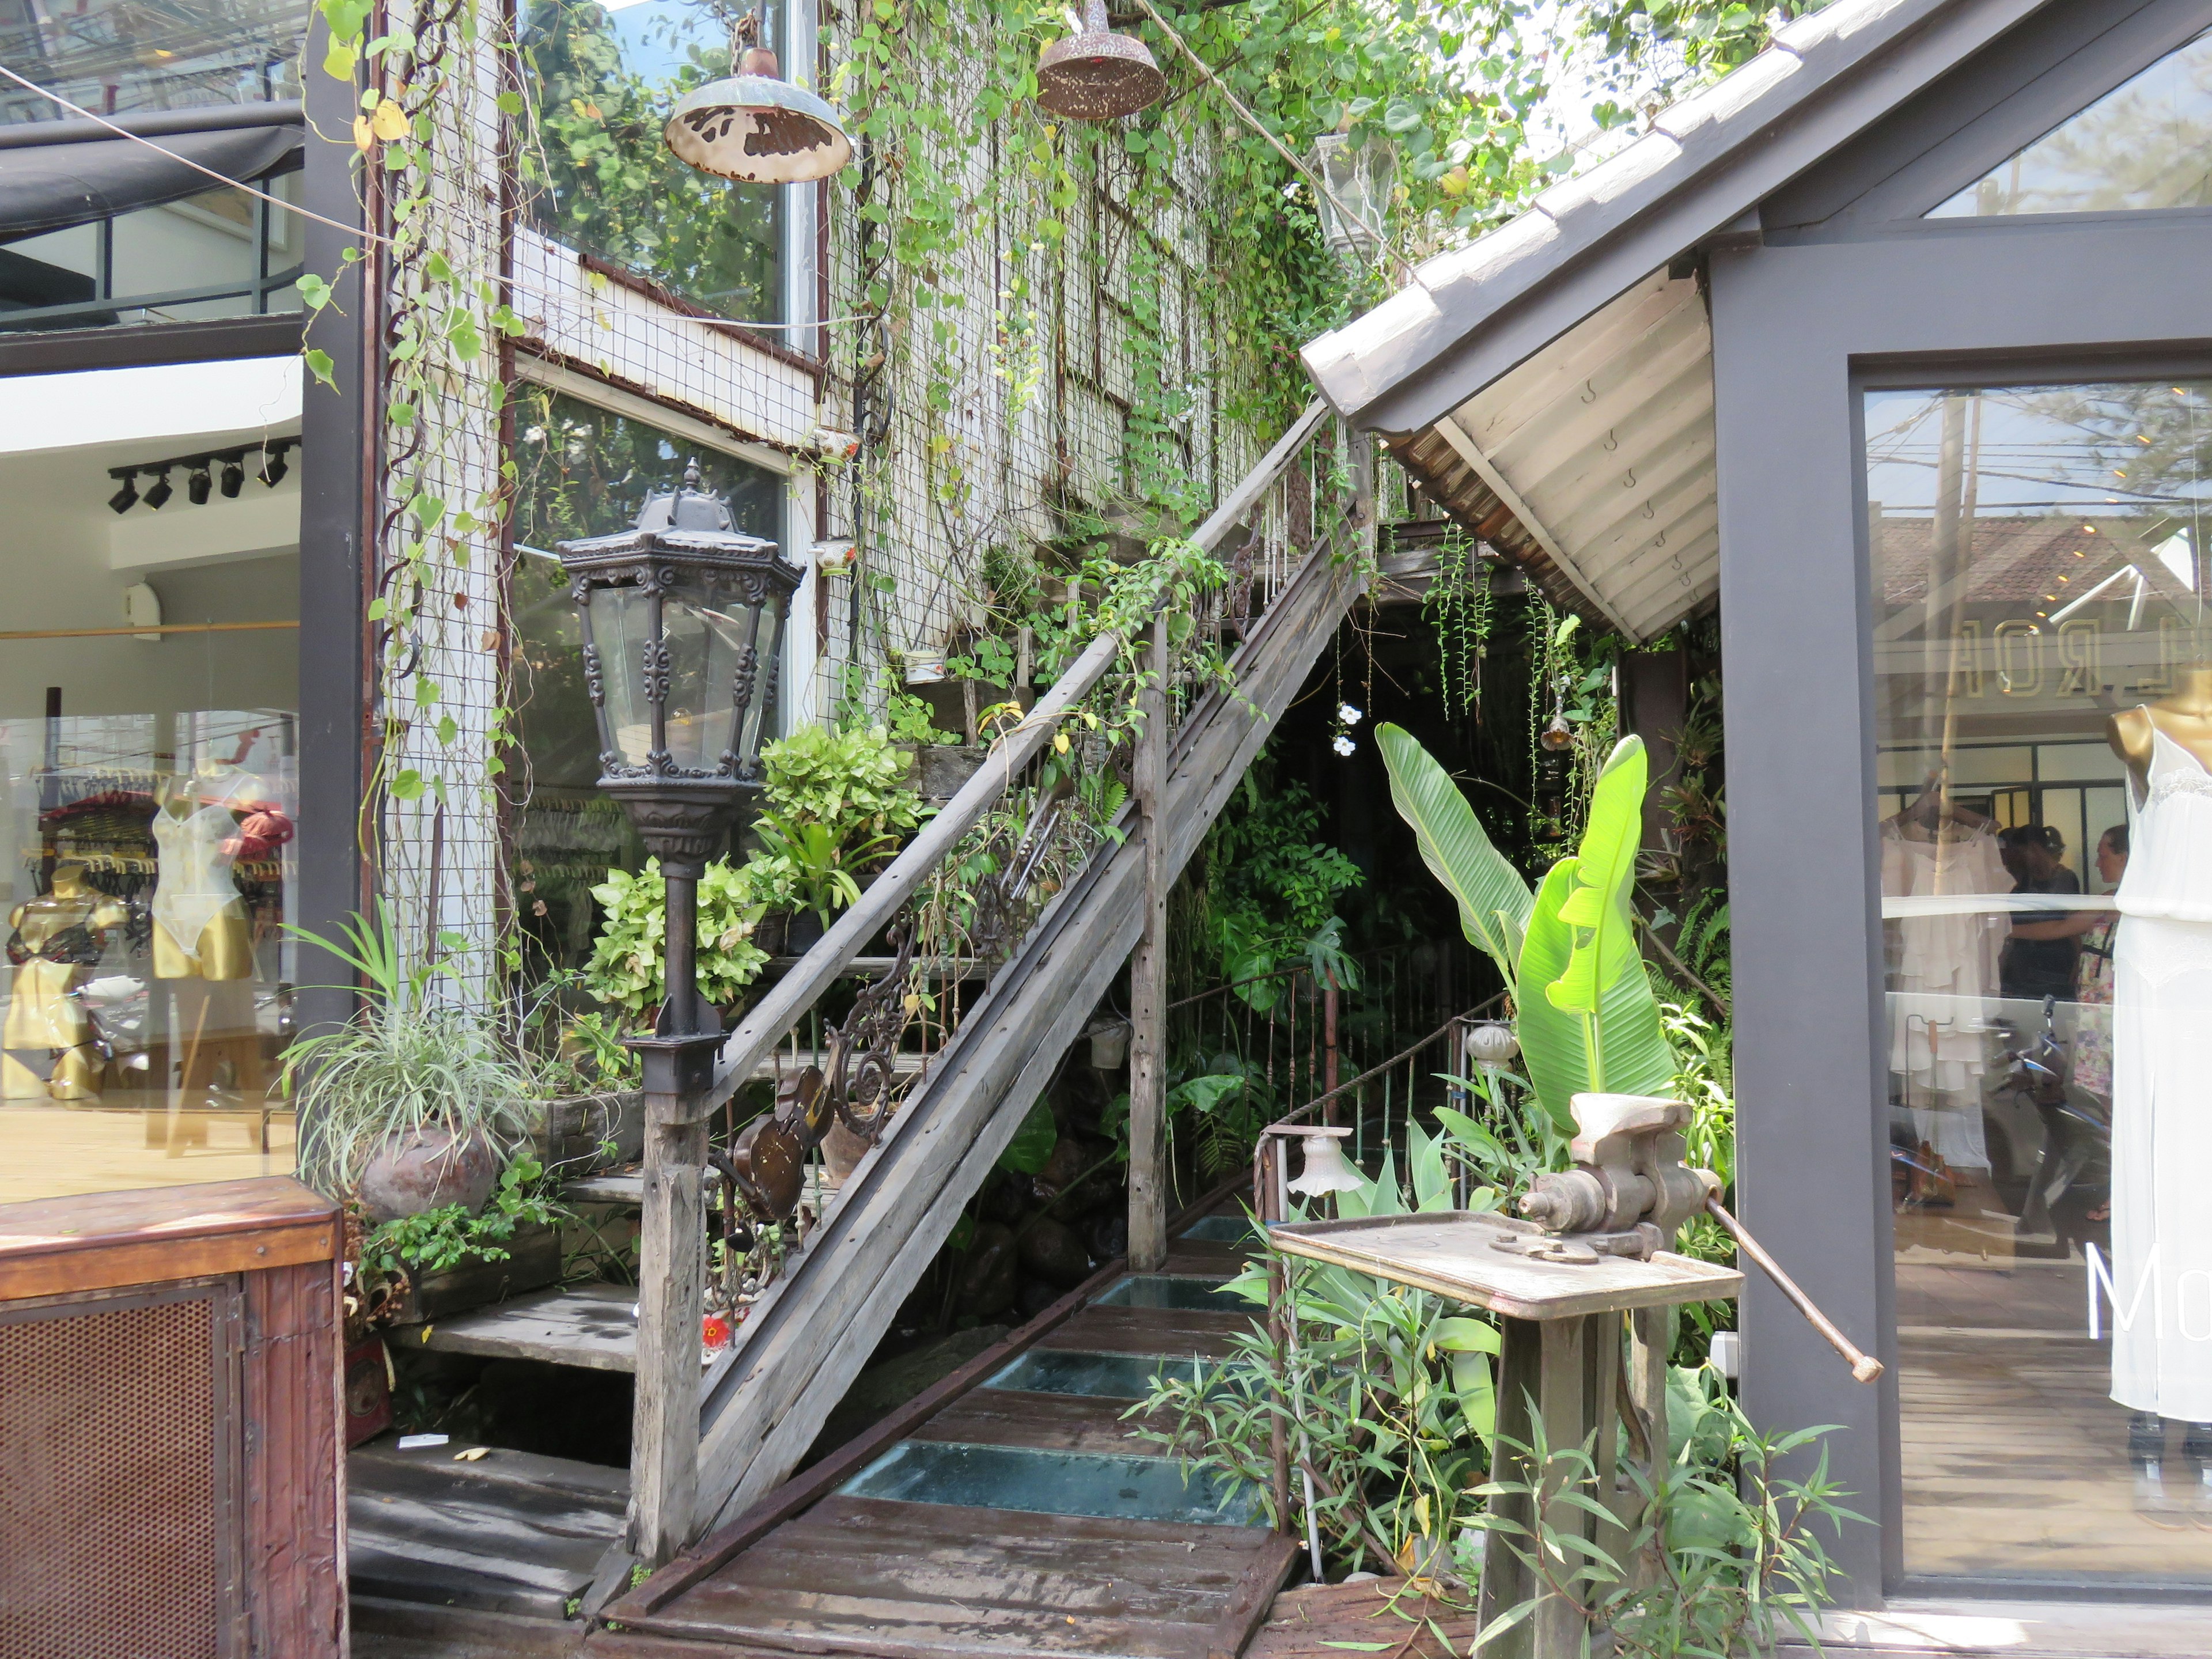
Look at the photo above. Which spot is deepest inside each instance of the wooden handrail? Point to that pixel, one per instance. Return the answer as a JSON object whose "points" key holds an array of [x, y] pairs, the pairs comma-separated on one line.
{"points": [[772, 1019]]}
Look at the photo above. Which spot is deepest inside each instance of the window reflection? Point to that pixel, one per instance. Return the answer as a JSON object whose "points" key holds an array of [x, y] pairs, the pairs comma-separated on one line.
{"points": [[120, 57], [605, 77], [584, 471], [2147, 143], [2044, 807]]}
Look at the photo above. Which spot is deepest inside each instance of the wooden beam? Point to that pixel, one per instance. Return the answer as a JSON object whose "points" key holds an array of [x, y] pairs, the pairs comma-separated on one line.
{"points": [[1148, 982]]}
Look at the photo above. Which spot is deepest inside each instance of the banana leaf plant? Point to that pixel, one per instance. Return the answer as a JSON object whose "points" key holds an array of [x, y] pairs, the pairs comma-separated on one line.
{"points": [[1583, 1004]]}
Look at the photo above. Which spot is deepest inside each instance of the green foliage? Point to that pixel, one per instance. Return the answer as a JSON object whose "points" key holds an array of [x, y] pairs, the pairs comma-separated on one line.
{"points": [[627, 966], [449, 1236], [1738, 1547], [1270, 886], [1584, 1007], [851, 780], [1031, 1149], [406, 1060], [907, 720]]}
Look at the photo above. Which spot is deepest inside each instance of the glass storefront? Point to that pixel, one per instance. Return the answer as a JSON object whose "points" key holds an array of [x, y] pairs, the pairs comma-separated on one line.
{"points": [[148, 777], [123, 58], [2043, 675], [584, 471]]}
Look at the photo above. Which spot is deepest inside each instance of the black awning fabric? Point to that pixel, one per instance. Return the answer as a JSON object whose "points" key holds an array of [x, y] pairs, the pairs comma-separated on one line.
{"points": [[52, 186]]}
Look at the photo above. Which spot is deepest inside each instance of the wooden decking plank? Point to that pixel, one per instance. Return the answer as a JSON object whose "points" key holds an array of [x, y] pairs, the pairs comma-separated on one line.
{"points": [[829, 1624], [590, 1326], [894, 1517], [1042, 1422], [586, 1482], [974, 1577], [1306, 1622], [522, 1506], [1254, 1596], [410, 1570], [1170, 1332]]}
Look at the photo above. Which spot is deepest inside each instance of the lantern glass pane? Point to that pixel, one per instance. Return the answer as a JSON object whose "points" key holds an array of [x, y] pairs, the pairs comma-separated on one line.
{"points": [[709, 630], [622, 629], [754, 718]]}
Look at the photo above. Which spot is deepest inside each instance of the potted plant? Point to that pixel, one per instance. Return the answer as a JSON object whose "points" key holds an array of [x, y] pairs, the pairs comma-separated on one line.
{"points": [[625, 971], [587, 1113], [417, 1101], [835, 806]]}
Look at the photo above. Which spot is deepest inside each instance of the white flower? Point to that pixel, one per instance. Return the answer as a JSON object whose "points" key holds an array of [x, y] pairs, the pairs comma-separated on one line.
{"points": [[1344, 746], [1347, 716]]}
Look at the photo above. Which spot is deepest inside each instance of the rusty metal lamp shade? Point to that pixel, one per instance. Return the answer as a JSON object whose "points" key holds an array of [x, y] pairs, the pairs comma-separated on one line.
{"points": [[683, 620], [1097, 74], [757, 128]]}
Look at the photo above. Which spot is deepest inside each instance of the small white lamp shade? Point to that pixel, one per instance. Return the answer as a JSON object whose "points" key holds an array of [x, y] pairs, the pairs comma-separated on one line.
{"points": [[1325, 1170], [1492, 1043]]}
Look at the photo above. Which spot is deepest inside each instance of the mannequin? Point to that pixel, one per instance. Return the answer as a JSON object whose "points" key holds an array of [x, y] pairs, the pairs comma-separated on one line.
{"points": [[2161, 1132], [200, 925], [49, 1039]]}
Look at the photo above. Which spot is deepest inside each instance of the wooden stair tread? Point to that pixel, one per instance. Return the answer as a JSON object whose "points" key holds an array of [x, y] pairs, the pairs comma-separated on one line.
{"points": [[1171, 1333], [590, 1326], [906, 1581], [1043, 1422], [525, 1538]]}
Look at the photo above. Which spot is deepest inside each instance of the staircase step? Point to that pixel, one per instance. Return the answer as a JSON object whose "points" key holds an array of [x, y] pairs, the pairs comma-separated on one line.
{"points": [[591, 1326], [1171, 1333], [1043, 1422], [506, 1533], [1119, 1486]]}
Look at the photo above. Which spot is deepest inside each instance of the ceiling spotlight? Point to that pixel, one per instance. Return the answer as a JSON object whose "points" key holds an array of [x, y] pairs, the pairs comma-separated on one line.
{"points": [[234, 474], [753, 125], [1095, 75], [199, 486], [273, 464], [158, 496], [127, 497]]}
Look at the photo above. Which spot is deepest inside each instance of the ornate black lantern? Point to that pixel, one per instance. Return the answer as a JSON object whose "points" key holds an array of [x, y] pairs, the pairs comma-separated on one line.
{"points": [[682, 619]]}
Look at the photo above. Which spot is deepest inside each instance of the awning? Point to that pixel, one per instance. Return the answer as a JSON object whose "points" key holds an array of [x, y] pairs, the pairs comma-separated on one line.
{"points": [[52, 186]]}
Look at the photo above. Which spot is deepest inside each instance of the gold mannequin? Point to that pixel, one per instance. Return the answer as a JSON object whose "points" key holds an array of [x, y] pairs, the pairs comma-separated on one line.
{"points": [[44, 1022], [2184, 715]]}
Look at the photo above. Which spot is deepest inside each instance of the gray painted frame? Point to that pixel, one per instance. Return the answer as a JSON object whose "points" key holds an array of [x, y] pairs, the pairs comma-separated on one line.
{"points": [[1799, 330]]}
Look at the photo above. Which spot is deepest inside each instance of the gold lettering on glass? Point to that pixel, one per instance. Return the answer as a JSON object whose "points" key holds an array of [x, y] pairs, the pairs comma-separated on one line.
{"points": [[2019, 659]]}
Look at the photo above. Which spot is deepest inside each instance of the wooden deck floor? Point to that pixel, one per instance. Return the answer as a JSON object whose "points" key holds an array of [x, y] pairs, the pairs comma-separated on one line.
{"points": [[1006, 1514]]}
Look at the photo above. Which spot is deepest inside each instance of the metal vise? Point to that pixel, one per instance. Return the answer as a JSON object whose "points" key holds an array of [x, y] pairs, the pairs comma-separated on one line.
{"points": [[1629, 1191]]}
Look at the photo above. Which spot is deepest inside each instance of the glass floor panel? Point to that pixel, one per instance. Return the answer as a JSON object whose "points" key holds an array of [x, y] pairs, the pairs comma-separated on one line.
{"points": [[1182, 1294], [1105, 1375], [1221, 1229], [1049, 1483]]}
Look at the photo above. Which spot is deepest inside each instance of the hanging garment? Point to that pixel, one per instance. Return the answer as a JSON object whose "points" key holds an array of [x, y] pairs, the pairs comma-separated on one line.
{"points": [[200, 926], [2161, 1266], [1945, 977]]}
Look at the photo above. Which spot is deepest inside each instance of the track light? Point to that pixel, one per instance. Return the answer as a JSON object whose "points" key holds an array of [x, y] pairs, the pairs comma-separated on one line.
{"points": [[198, 487], [158, 496], [234, 474], [273, 464], [127, 497]]}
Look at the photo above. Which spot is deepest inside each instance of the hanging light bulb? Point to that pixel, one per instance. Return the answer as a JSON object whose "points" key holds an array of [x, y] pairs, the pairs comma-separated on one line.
{"points": [[1095, 75], [127, 497], [754, 126], [1325, 1170], [158, 496]]}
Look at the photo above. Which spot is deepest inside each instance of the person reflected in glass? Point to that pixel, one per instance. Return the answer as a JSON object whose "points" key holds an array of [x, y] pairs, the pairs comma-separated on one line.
{"points": [[2040, 954], [2093, 980]]}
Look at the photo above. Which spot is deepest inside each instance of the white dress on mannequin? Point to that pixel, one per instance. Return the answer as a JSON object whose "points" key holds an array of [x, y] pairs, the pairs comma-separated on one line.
{"points": [[2161, 1263]]}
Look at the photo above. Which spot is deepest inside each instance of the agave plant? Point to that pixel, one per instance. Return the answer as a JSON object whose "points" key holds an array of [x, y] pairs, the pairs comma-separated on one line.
{"points": [[1583, 1004], [408, 1061]]}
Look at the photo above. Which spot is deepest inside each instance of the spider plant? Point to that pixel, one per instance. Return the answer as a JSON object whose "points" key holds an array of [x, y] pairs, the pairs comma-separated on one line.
{"points": [[408, 1061]]}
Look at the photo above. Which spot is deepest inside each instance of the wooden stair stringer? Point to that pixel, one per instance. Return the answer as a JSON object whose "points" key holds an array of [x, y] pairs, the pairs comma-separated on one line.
{"points": [[805, 1341]]}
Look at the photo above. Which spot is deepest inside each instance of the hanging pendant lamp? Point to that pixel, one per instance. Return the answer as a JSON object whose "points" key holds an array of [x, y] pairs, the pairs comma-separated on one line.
{"points": [[755, 126], [1097, 74], [1325, 1170]]}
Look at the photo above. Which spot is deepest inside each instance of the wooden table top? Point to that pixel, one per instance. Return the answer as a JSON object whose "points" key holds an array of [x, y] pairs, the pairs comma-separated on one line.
{"points": [[1453, 1253], [98, 1240]]}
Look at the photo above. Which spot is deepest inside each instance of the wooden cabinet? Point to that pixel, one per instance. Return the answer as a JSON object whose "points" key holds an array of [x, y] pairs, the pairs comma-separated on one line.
{"points": [[170, 1453]]}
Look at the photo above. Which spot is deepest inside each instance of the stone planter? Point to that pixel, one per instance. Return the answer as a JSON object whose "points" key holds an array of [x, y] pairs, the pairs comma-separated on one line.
{"points": [[533, 1261], [944, 768], [427, 1170]]}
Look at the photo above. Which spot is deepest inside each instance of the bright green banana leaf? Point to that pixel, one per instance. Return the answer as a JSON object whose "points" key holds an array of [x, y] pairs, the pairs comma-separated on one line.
{"points": [[1601, 1032], [1493, 900]]}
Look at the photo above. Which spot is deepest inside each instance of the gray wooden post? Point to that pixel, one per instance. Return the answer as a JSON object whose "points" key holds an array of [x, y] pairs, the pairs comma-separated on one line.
{"points": [[1148, 982]]}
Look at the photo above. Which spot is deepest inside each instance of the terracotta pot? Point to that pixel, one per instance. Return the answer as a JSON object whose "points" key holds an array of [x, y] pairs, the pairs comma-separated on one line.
{"points": [[427, 1170]]}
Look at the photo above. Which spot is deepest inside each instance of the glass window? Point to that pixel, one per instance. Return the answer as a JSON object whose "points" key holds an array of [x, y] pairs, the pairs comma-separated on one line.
{"points": [[2044, 805], [584, 471], [2147, 143], [605, 77], [149, 793], [122, 56], [221, 253]]}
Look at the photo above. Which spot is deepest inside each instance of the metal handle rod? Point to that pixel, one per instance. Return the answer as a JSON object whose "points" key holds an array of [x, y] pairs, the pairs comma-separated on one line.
{"points": [[1864, 1367]]}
